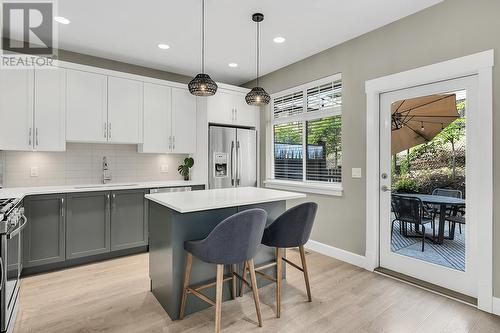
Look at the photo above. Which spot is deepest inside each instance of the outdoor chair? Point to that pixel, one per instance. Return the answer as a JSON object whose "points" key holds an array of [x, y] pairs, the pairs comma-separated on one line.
{"points": [[434, 209], [410, 210]]}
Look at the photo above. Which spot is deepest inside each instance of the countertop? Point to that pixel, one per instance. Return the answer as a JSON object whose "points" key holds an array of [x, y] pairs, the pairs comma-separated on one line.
{"points": [[186, 202], [20, 192]]}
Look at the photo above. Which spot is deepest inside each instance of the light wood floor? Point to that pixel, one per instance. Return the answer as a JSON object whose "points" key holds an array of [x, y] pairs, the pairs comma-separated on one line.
{"points": [[113, 296]]}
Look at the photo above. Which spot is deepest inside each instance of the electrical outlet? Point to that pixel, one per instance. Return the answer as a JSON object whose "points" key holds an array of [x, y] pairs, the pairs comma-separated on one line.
{"points": [[34, 171], [164, 168]]}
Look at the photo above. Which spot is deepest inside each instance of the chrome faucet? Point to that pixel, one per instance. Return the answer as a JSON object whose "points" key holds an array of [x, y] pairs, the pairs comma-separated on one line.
{"points": [[106, 173]]}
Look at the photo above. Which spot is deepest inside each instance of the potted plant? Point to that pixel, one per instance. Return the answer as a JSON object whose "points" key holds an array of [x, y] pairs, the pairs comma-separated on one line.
{"points": [[184, 168]]}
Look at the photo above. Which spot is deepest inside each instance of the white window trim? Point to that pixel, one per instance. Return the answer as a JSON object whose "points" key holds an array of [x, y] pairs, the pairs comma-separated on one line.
{"points": [[324, 188]]}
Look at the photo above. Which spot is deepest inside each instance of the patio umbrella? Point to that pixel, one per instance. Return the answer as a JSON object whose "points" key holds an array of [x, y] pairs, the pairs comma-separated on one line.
{"points": [[419, 120]]}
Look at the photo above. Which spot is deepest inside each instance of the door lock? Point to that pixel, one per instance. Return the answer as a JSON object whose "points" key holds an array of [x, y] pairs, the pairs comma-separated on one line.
{"points": [[383, 175]]}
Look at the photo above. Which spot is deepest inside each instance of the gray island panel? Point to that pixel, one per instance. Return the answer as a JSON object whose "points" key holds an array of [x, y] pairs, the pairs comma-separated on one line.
{"points": [[169, 229]]}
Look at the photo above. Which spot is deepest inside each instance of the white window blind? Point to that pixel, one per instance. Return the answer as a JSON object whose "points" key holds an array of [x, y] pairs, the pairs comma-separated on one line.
{"points": [[307, 130], [288, 105]]}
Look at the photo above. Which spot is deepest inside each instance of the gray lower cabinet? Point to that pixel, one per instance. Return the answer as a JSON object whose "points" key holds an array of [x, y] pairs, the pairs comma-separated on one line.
{"points": [[129, 223], [44, 236], [87, 224]]}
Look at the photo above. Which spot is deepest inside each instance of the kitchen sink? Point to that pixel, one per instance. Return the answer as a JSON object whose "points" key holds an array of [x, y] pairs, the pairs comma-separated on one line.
{"points": [[104, 185]]}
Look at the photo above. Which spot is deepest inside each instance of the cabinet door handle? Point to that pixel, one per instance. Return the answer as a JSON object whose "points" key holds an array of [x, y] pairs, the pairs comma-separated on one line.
{"points": [[105, 130], [62, 207], [173, 144], [109, 202], [36, 136], [236, 114], [169, 142], [29, 137], [109, 131], [113, 201]]}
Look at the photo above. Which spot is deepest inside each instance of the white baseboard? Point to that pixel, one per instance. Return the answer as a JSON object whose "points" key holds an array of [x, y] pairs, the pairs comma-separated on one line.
{"points": [[327, 250], [496, 306]]}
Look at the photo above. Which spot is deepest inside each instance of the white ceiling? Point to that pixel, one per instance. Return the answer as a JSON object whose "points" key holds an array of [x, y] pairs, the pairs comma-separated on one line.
{"points": [[129, 31]]}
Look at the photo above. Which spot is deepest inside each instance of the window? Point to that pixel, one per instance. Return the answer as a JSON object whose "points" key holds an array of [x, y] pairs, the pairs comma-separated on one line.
{"points": [[307, 119]]}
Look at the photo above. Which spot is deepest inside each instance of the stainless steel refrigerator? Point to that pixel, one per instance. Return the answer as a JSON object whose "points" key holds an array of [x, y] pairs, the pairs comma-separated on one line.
{"points": [[232, 157]]}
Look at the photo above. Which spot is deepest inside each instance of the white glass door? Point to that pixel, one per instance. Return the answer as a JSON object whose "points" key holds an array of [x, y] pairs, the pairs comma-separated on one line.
{"points": [[423, 151]]}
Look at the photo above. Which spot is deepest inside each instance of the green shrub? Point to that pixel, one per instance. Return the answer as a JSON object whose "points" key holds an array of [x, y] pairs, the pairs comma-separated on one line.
{"points": [[406, 185]]}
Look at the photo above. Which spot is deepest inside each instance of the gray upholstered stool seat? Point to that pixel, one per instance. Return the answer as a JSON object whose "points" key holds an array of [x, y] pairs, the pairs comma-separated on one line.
{"points": [[290, 229], [233, 241]]}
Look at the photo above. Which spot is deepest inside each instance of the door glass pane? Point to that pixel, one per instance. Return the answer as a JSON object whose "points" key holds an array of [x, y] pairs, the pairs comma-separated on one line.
{"points": [[288, 151], [428, 146]]}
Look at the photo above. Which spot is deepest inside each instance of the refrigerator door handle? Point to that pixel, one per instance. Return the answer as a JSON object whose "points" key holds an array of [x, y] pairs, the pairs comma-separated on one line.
{"points": [[232, 163], [238, 158]]}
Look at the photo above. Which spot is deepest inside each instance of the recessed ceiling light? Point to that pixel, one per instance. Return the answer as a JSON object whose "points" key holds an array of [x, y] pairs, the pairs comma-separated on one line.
{"points": [[279, 40], [232, 64], [61, 20], [164, 46]]}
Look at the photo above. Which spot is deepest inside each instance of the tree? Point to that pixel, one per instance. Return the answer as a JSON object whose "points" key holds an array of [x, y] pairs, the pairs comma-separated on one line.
{"points": [[451, 134]]}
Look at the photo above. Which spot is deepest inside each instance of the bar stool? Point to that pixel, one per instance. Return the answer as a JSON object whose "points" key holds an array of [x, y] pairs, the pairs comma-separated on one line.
{"points": [[291, 229], [233, 241]]}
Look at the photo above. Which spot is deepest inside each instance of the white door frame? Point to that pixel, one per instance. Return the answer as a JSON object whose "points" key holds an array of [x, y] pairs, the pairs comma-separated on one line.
{"points": [[480, 64]]}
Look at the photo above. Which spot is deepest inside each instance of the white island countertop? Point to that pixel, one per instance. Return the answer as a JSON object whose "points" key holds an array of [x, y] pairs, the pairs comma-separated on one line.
{"points": [[186, 202]]}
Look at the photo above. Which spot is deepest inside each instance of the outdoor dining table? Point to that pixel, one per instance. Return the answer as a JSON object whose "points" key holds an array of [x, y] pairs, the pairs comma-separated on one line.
{"points": [[444, 203]]}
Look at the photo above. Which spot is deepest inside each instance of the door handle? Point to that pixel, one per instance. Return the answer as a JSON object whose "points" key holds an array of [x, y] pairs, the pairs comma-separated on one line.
{"points": [[232, 163], [238, 162], [385, 188], [62, 207]]}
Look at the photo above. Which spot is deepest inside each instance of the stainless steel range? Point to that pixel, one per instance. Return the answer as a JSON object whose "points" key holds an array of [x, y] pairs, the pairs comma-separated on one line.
{"points": [[12, 221]]}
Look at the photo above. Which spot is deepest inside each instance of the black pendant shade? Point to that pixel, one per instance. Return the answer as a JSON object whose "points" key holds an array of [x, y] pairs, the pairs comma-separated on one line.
{"points": [[202, 85], [258, 96]]}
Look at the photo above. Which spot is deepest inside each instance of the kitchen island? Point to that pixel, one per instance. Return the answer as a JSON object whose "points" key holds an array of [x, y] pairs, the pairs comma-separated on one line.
{"points": [[177, 217]]}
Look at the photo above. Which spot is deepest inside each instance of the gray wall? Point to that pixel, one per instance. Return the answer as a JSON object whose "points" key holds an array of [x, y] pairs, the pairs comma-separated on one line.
{"points": [[89, 60], [448, 30]]}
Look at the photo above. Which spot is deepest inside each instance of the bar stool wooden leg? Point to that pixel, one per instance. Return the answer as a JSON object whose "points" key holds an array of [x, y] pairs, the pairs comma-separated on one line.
{"points": [[233, 281], [306, 274], [279, 268], [255, 291], [218, 297], [187, 274], [244, 275]]}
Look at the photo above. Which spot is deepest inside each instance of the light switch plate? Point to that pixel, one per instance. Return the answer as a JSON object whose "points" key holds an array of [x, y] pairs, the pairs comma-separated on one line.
{"points": [[34, 171], [164, 168], [356, 172]]}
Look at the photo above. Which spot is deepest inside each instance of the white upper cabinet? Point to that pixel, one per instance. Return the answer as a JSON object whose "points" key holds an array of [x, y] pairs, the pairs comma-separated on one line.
{"points": [[86, 106], [183, 121], [229, 107], [16, 109], [157, 119], [50, 125], [124, 110], [220, 108], [245, 115]]}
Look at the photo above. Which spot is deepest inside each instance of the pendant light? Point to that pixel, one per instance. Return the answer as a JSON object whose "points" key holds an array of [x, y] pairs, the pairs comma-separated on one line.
{"points": [[258, 96], [202, 84]]}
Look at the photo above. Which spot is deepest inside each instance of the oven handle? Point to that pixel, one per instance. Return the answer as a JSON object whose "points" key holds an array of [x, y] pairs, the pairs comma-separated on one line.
{"points": [[18, 230], [1, 272]]}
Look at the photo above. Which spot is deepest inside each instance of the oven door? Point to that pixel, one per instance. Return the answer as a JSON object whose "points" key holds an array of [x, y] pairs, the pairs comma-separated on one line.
{"points": [[11, 262]]}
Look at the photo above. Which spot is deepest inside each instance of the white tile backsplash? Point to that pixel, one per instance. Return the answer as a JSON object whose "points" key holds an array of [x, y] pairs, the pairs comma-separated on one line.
{"points": [[82, 164]]}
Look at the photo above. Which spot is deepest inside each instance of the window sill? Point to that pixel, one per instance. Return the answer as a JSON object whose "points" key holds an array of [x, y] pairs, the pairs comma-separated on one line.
{"points": [[333, 189]]}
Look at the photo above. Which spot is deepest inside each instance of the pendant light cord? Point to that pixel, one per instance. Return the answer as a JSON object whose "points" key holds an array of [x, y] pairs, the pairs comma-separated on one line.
{"points": [[203, 36], [258, 51]]}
